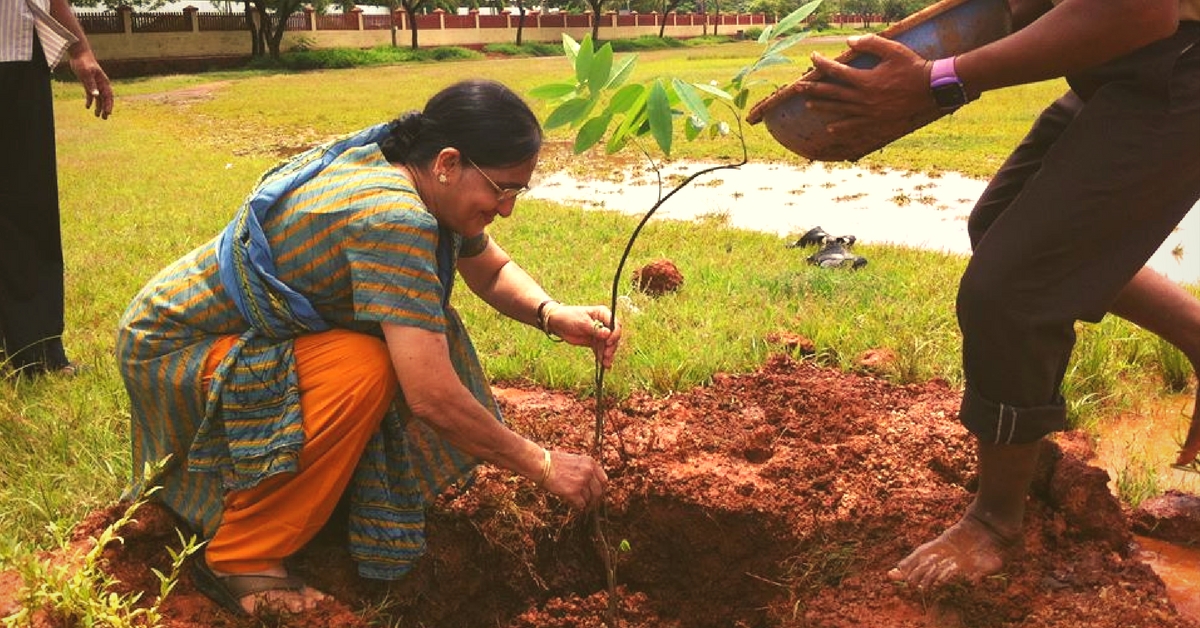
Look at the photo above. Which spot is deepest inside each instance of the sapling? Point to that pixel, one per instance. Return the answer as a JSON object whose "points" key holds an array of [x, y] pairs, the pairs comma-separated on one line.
{"points": [[600, 101]]}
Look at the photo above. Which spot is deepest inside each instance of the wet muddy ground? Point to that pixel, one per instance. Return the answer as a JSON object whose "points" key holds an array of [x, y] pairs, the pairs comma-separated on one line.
{"points": [[778, 498]]}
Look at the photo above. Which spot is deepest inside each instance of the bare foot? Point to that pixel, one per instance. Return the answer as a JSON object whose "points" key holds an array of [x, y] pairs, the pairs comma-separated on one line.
{"points": [[305, 599], [970, 549], [270, 590]]}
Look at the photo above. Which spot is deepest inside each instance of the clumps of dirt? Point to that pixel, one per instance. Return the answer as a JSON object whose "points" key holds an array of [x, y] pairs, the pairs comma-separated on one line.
{"points": [[793, 342], [658, 278], [778, 498], [1172, 516], [881, 361]]}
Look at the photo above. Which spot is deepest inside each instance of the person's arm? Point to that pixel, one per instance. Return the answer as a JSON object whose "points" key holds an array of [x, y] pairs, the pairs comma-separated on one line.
{"points": [[435, 395], [504, 285], [96, 87], [1024, 12], [1075, 35]]}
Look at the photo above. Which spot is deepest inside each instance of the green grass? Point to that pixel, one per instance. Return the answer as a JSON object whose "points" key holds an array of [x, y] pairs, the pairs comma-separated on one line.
{"points": [[166, 172]]}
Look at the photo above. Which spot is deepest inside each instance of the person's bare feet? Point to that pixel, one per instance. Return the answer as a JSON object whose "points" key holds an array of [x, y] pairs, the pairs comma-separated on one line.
{"points": [[299, 601], [288, 594], [969, 549]]}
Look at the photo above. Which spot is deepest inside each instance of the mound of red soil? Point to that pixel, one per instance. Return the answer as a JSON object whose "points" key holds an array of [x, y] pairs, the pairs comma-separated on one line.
{"points": [[658, 278], [778, 498]]}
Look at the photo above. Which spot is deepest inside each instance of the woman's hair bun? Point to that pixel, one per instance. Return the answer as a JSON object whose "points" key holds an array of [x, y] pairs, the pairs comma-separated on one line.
{"points": [[405, 132]]}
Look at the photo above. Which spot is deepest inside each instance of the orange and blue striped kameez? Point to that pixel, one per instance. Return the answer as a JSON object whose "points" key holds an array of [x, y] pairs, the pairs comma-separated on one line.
{"points": [[357, 242]]}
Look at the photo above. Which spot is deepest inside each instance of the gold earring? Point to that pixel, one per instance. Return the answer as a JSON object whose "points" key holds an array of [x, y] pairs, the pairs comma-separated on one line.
{"points": [[441, 177]]}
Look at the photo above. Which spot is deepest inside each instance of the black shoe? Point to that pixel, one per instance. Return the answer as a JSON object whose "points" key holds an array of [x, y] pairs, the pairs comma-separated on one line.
{"points": [[835, 255], [846, 240], [815, 237]]}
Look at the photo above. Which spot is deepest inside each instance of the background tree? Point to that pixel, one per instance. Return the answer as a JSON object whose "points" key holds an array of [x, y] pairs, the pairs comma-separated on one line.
{"points": [[520, 20], [667, 7], [274, 15], [860, 7], [896, 10], [597, 8], [411, 7]]}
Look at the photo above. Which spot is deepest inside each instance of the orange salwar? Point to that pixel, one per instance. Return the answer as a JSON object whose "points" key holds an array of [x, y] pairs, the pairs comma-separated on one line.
{"points": [[346, 385]]}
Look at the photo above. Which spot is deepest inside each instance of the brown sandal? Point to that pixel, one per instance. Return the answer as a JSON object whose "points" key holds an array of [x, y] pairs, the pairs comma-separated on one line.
{"points": [[228, 591]]}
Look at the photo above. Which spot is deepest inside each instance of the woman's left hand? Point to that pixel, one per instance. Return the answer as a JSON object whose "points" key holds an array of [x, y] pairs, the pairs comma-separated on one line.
{"points": [[586, 326]]}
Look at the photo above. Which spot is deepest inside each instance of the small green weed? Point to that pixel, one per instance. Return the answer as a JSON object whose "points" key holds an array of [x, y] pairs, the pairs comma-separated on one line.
{"points": [[84, 594], [1137, 481]]}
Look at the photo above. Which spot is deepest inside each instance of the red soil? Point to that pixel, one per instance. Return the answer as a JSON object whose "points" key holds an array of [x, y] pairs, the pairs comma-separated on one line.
{"points": [[778, 498]]}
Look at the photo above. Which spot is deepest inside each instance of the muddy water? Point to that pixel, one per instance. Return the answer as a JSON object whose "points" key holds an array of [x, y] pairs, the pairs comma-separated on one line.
{"points": [[1149, 440], [876, 206], [1179, 568]]}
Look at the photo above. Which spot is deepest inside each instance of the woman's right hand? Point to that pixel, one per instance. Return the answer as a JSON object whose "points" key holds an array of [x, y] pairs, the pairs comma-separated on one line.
{"points": [[577, 480]]}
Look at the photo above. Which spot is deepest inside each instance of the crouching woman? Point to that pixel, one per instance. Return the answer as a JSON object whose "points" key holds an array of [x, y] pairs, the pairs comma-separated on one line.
{"points": [[310, 351]]}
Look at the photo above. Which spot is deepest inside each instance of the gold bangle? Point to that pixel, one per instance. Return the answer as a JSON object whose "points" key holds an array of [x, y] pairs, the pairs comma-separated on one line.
{"points": [[540, 318], [546, 323], [547, 465]]}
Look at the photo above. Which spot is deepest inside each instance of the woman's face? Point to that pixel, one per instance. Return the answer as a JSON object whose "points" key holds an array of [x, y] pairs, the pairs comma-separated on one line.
{"points": [[478, 194]]}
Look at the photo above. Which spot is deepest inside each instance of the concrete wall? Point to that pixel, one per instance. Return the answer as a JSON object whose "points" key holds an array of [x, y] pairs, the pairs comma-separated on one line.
{"points": [[433, 30]]}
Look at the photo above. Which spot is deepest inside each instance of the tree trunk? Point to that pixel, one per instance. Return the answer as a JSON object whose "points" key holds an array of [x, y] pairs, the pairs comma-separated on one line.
{"points": [[412, 21], [520, 21], [256, 44], [275, 33]]}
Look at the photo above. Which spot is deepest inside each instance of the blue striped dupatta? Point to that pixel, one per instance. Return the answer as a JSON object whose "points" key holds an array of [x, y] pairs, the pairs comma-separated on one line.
{"points": [[253, 423]]}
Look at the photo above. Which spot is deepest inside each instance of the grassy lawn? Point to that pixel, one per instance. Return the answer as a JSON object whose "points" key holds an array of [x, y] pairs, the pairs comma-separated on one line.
{"points": [[167, 171]]}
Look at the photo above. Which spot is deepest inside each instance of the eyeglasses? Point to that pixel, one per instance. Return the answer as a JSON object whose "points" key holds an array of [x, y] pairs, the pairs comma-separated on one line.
{"points": [[502, 193]]}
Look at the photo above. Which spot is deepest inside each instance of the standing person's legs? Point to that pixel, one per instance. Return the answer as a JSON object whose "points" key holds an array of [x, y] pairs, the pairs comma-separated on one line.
{"points": [[31, 262], [1091, 210], [346, 386]]}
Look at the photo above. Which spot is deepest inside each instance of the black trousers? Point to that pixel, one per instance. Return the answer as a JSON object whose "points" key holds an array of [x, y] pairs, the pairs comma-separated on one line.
{"points": [[1103, 177], [31, 260]]}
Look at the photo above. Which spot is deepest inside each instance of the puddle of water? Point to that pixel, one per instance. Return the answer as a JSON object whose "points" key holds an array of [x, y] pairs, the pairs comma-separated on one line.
{"points": [[1179, 568], [1149, 440], [876, 206]]}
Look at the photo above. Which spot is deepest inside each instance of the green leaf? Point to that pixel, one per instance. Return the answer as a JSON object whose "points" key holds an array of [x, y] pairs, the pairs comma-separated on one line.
{"points": [[794, 18], [693, 127], [766, 34], [570, 48], [783, 44], [658, 109], [622, 71], [690, 98], [552, 91], [624, 99], [569, 112], [715, 91], [591, 132], [583, 60], [598, 74], [634, 117], [767, 62], [740, 99]]}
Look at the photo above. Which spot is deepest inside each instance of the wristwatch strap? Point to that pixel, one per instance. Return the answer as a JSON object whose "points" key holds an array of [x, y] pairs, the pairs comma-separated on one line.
{"points": [[943, 73]]}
